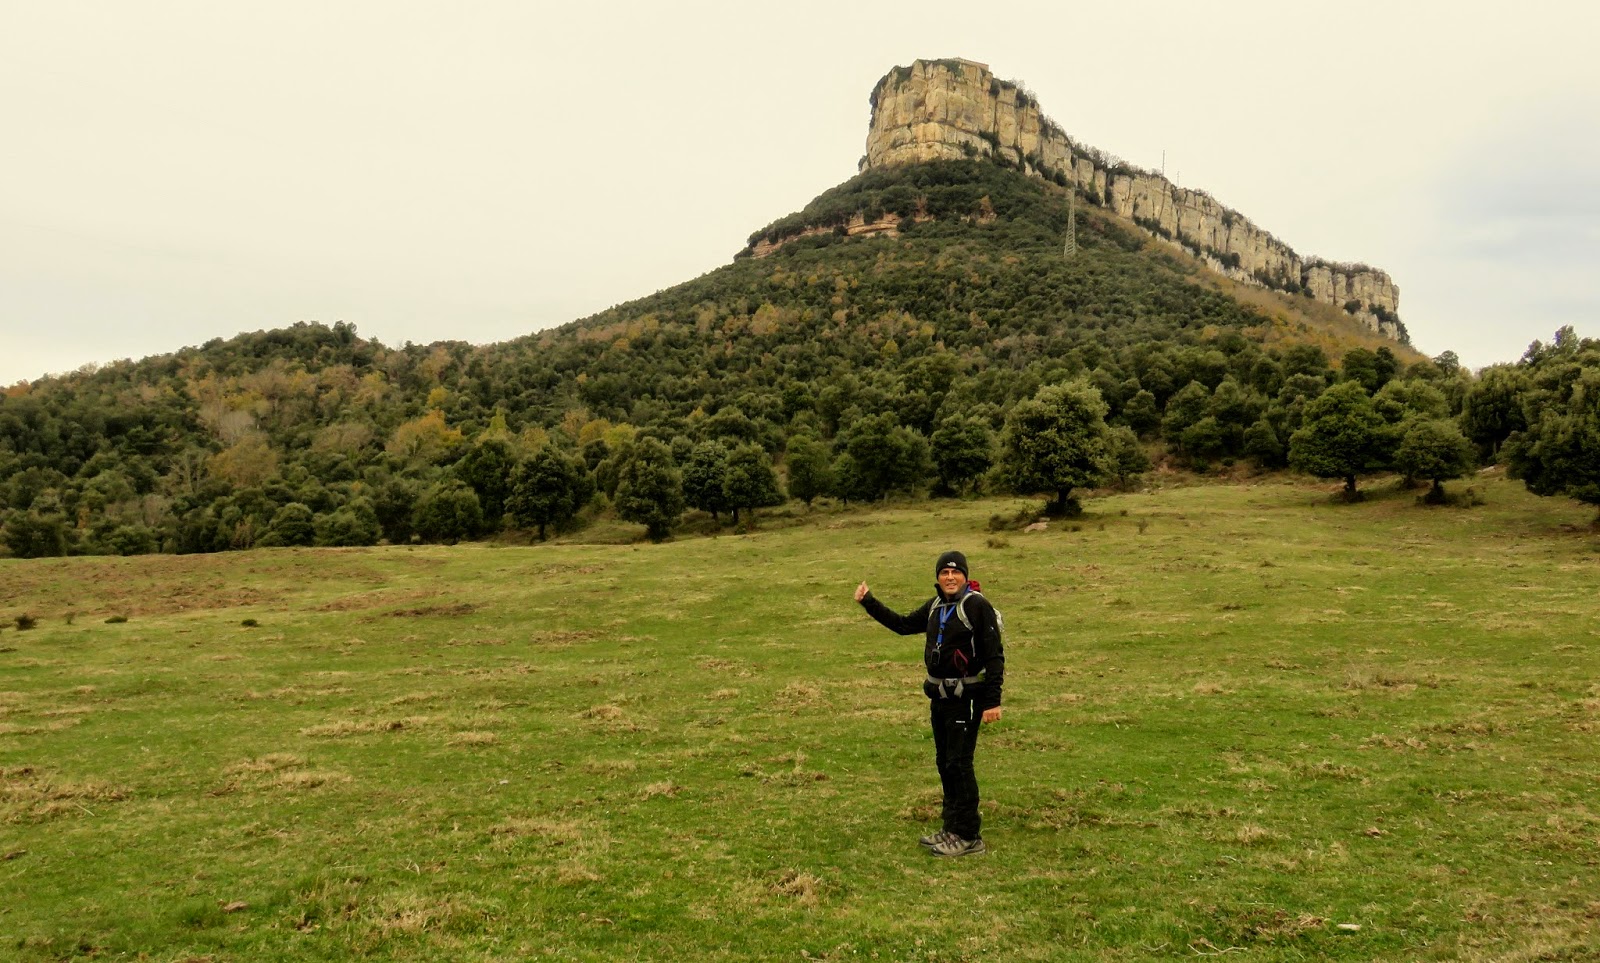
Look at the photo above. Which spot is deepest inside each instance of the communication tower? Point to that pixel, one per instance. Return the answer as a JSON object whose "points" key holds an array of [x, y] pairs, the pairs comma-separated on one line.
{"points": [[1072, 223]]}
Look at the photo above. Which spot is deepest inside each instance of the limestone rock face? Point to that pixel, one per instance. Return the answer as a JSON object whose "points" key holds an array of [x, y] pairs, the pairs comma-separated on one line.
{"points": [[858, 226], [950, 109]]}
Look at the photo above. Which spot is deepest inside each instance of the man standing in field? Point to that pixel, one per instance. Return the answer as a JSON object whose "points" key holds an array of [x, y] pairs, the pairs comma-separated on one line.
{"points": [[966, 668]]}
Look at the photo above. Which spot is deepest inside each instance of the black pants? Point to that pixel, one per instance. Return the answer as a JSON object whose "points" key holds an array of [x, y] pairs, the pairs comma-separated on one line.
{"points": [[955, 736]]}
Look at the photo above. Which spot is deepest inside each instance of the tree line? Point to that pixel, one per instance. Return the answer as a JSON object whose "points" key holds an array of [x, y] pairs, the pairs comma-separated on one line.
{"points": [[1430, 420]]}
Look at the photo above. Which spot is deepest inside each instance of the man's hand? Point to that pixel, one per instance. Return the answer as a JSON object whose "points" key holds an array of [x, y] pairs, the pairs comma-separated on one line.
{"points": [[861, 591], [991, 715]]}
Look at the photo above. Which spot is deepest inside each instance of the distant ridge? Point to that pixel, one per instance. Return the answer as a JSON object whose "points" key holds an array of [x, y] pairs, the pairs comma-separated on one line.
{"points": [[953, 109]]}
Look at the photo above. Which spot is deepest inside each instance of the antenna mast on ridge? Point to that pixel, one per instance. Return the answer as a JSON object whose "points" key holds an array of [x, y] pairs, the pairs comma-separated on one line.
{"points": [[1072, 222]]}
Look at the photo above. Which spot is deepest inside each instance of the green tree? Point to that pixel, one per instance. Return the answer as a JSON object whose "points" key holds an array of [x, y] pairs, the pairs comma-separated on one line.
{"points": [[1370, 369], [1559, 452], [704, 478], [131, 540], [293, 524], [650, 488], [395, 501], [487, 468], [1141, 414], [963, 449], [1184, 409], [1056, 442], [928, 378], [886, 456], [34, 534], [1492, 408], [354, 523], [749, 481], [809, 467], [1343, 436], [1235, 408], [595, 451], [1128, 458], [1265, 376], [548, 489], [1400, 401], [1262, 443], [732, 423], [1204, 440], [609, 471], [448, 512], [847, 480], [1435, 449], [1305, 359]]}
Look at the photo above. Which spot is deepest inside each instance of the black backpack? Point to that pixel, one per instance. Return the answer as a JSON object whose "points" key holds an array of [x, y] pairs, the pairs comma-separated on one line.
{"points": [[999, 620]]}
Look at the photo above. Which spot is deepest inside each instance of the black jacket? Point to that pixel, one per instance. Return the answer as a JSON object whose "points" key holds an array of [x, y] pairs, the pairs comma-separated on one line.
{"points": [[963, 652]]}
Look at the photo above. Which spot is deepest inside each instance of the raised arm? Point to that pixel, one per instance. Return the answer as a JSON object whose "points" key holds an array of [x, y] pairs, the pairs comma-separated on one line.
{"points": [[911, 623]]}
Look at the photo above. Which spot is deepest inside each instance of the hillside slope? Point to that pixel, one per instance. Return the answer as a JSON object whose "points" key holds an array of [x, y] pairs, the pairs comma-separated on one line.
{"points": [[960, 307]]}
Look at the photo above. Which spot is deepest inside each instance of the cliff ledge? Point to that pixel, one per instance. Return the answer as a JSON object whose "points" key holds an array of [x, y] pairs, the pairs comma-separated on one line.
{"points": [[939, 109]]}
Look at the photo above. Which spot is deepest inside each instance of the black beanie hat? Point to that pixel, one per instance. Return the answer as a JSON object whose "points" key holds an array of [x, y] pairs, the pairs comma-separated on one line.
{"points": [[953, 560]]}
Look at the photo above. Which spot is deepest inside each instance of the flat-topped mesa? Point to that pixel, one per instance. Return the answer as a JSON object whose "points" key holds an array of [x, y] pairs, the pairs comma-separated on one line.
{"points": [[952, 109]]}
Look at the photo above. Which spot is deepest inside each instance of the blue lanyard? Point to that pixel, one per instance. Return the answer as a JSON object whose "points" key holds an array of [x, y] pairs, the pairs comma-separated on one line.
{"points": [[944, 617]]}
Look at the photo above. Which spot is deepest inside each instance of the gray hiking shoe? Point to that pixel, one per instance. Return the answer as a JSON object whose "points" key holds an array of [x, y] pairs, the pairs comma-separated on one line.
{"points": [[953, 845], [934, 839]]}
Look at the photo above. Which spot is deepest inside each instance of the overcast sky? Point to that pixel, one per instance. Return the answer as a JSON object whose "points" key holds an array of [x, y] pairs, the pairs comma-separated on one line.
{"points": [[179, 170]]}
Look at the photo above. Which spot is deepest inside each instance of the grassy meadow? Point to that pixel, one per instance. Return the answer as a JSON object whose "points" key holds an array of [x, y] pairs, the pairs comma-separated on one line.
{"points": [[1240, 720]]}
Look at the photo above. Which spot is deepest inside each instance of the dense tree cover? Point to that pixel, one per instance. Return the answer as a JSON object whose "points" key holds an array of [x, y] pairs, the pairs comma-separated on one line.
{"points": [[1557, 449], [879, 365]]}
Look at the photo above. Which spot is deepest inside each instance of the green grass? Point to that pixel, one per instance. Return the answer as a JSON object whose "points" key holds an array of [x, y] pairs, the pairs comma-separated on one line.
{"points": [[1236, 718]]}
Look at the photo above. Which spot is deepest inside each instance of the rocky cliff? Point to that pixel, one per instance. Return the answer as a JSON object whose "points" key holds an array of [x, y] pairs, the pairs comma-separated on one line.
{"points": [[937, 109]]}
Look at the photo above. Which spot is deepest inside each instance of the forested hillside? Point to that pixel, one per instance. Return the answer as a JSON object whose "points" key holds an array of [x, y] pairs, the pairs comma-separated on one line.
{"points": [[850, 366]]}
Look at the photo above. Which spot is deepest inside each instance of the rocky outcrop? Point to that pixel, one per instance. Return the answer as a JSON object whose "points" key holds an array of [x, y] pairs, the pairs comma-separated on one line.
{"points": [[950, 109], [858, 226]]}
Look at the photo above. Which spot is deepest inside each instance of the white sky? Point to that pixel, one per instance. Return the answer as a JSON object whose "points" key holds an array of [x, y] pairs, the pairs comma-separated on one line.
{"points": [[177, 170]]}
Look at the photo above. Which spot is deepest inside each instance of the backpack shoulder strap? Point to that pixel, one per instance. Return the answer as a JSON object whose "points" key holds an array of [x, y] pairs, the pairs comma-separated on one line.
{"points": [[961, 609]]}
